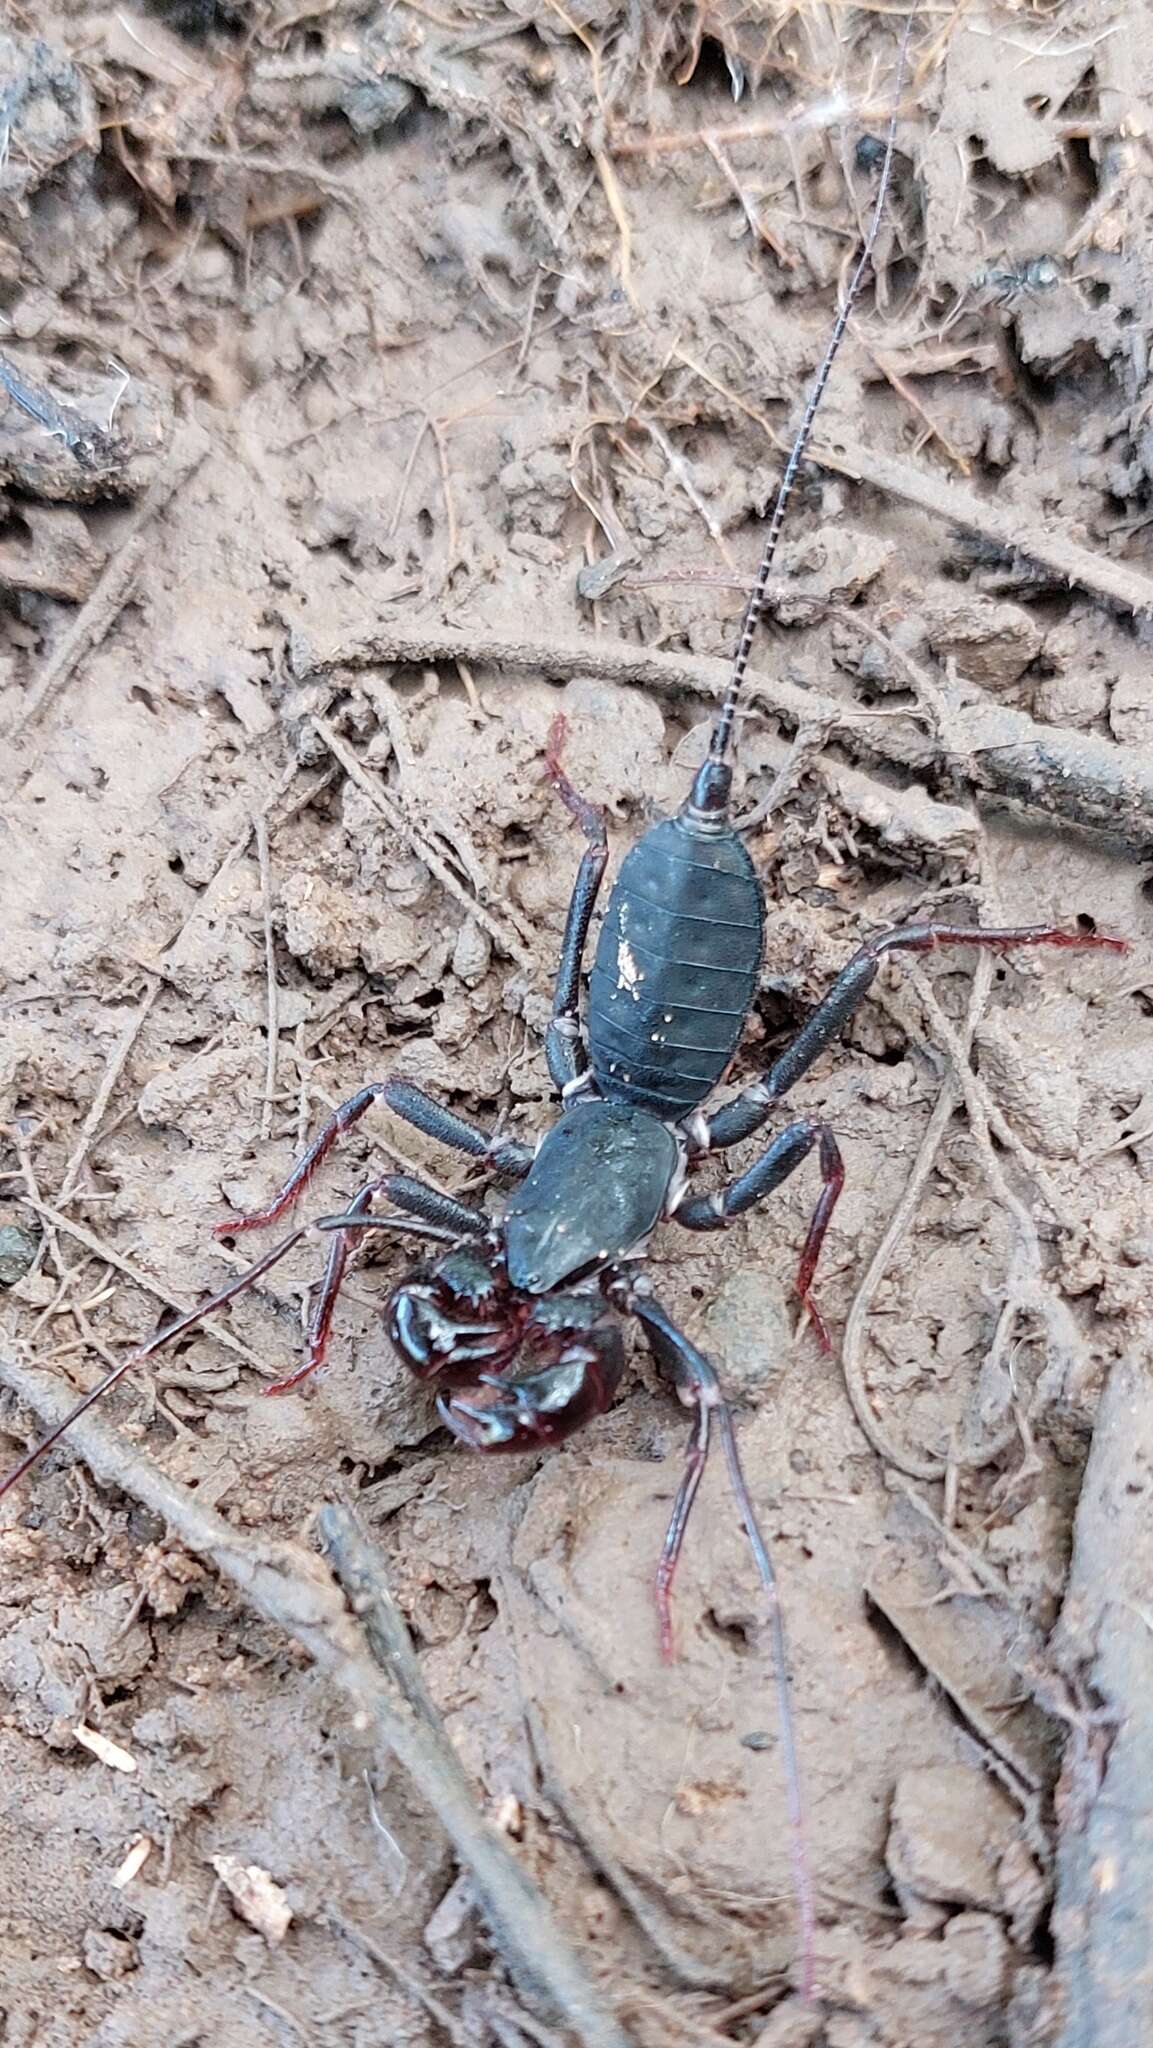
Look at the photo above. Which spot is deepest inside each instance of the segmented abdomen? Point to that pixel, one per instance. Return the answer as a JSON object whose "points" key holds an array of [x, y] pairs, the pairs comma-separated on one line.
{"points": [[676, 968]]}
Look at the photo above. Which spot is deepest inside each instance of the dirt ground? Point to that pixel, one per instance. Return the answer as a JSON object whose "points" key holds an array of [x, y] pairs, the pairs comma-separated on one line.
{"points": [[399, 356]]}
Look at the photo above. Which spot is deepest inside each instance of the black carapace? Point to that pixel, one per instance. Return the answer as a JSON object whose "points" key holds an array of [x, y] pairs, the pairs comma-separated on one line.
{"points": [[518, 1323]]}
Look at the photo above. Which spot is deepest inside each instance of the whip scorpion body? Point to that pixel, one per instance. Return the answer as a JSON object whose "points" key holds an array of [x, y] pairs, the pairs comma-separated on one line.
{"points": [[518, 1322]]}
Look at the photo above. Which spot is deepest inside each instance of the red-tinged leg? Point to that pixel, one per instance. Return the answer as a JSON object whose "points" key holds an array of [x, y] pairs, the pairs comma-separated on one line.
{"points": [[320, 1321], [416, 1225], [406, 1101], [696, 1457], [697, 1386], [438, 1215], [589, 816], [833, 1180], [749, 1111], [784, 1155], [341, 1120], [165, 1336]]}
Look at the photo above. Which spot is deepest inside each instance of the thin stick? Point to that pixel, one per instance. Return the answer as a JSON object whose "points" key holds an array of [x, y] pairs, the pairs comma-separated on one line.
{"points": [[560, 657], [150, 1286], [115, 587], [989, 1577], [1027, 1285], [272, 1050], [436, 429], [405, 1978], [406, 479], [205, 902], [112, 1072], [585, 1824], [380, 799], [932, 431], [679, 468], [852, 1344], [529, 320], [277, 167], [1072, 776], [448, 829], [281, 2012], [517, 1913], [1041, 540], [191, 1320], [90, 626], [823, 114], [361, 1573], [756, 225], [1102, 1651], [852, 1367], [1010, 526], [289, 1587], [977, 1106], [790, 1762], [610, 185]]}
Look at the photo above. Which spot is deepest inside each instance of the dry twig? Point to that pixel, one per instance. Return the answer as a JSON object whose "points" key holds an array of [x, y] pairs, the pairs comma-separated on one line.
{"points": [[675, 462], [113, 590], [1014, 529], [272, 1049], [289, 1587], [649, 1917], [1027, 1288], [143, 1280], [1074, 777], [117, 1059], [852, 1366], [1105, 1641], [424, 851], [932, 432], [408, 1981]]}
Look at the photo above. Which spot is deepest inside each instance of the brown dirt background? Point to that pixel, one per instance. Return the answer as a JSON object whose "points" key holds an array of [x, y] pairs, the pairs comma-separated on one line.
{"points": [[416, 328]]}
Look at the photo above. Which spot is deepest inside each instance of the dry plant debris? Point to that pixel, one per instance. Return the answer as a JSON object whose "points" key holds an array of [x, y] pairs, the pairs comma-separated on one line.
{"points": [[460, 345]]}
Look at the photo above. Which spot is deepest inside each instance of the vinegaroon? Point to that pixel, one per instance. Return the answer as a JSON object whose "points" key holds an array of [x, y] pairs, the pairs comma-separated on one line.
{"points": [[518, 1324]]}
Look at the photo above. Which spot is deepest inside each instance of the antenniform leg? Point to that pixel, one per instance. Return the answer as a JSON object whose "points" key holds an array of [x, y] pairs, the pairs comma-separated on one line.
{"points": [[416, 1108], [750, 1110], [784, 1155], [414, 1226], [444, 1218], [697, 1386], [567, 1061]]}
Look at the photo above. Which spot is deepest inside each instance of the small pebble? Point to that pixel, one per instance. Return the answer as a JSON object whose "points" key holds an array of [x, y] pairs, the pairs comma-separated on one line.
{"points": [[18, 1248]]}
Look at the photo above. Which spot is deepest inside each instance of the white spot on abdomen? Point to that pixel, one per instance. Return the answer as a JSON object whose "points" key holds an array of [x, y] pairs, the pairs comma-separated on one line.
{"points": [[629, 975]]}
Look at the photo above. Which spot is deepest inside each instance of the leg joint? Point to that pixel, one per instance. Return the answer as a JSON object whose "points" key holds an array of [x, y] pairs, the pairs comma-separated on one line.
{"points": [[696, 1130], [581, 1084]]}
